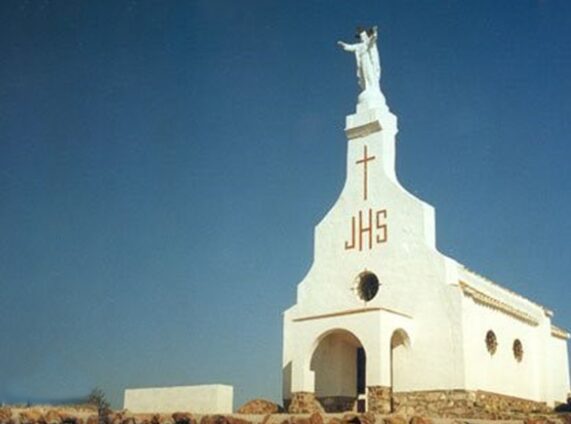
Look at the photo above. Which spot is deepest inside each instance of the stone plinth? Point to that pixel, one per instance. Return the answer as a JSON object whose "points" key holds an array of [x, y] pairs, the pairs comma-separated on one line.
{"points": [[464, 404], [303, 403], [379, 399]]}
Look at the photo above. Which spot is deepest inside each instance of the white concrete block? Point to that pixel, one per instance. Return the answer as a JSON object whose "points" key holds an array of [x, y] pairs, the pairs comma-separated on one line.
{"points": [[203, 399]]}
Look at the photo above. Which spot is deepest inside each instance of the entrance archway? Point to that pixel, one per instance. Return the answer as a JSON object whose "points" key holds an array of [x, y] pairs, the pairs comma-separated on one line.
{"points": [[339, 366]]}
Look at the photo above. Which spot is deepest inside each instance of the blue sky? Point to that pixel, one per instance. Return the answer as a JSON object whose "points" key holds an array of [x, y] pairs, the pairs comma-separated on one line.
{"points": [[162, 165]]}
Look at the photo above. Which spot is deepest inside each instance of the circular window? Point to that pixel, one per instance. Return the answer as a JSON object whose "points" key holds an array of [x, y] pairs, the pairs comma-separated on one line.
{"points": [[518, 350], [367, 285], [491, 342]]}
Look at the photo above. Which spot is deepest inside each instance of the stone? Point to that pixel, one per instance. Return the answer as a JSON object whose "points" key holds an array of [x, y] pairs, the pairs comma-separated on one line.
{"points": [[304, 403], [417, 419], [394, 419], [146, 418], [260, 406], [221, 419], [183, 418], [367, 418], [214, 419]]}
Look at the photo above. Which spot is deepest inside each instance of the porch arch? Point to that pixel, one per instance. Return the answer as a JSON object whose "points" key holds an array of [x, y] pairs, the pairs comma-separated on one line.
{"points": [[338, 362], [401, 365]]}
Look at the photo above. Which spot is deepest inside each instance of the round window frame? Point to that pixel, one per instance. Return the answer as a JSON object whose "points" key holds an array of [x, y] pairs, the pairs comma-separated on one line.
{"points": [[367, 286]]}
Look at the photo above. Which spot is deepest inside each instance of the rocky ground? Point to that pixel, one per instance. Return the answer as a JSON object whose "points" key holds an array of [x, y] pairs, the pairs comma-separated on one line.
{"points": [[63, 416], [254, 412]]}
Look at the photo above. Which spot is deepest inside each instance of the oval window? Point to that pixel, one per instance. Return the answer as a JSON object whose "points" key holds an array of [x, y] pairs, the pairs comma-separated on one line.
{"points": [[491, 342], [518, 350]]}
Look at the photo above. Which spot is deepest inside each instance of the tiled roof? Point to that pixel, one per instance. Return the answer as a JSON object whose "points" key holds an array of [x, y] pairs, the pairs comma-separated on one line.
{"points": [[488, 300]]}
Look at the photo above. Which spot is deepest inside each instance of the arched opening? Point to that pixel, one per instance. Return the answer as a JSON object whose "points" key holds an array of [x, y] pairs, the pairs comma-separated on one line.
{"points": [[400, 362], [339, 366]]}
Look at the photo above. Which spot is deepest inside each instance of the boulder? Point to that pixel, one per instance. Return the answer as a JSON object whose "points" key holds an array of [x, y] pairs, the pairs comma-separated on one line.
{"points": [[66, 418], [221, 419], [146, 418], [354, 418], [305, 403], [183, 418], [260, 406]]}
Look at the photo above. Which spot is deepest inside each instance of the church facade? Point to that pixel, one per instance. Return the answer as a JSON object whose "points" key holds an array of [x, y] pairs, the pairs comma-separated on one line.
{"points": [[384, 322]]}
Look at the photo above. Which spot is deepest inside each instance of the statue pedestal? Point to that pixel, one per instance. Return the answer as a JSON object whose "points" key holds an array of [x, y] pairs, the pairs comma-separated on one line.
{"points": [[372, 115], [371, 99]]}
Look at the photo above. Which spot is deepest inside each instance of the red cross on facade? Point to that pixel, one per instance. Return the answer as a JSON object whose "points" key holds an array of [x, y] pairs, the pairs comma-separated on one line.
{"points": [[365, 162]]}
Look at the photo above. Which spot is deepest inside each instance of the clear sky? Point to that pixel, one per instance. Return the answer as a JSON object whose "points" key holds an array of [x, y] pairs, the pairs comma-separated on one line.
{"points": [[163, 164]]}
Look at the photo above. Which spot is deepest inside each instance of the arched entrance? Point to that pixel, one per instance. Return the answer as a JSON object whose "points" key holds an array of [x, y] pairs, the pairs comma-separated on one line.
{"points": [[339, 366], [400, 366]]}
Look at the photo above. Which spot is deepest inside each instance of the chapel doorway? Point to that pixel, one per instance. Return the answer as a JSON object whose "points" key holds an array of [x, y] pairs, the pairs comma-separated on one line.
{"points": [[339, 367]]}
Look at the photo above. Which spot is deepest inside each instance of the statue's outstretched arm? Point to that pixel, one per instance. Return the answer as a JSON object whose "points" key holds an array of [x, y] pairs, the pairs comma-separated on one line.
{"points": [[347, 47]]}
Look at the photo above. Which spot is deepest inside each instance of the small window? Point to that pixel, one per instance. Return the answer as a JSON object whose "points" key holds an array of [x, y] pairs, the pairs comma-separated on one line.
{"points": [[491, 342], [367, 285], [518, 350]]}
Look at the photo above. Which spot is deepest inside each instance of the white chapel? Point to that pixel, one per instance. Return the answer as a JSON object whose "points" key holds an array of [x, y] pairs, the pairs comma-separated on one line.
{"points": [[384, 322]]}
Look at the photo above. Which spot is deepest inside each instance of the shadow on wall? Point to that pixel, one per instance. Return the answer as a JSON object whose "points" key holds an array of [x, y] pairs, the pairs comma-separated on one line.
{"points": [[286, 381]]}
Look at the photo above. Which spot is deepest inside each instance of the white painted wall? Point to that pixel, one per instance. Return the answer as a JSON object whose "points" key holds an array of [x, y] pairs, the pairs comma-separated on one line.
{"points": [[419, 293], [559, 369], [203, 399], [413, 278], [501, 372], [532, 378]]}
